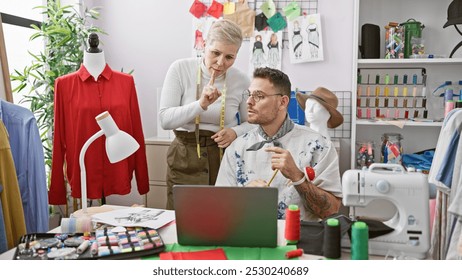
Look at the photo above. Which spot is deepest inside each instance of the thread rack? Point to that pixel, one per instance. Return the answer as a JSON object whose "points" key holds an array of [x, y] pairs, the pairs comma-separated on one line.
{"points": [[391, 93]]}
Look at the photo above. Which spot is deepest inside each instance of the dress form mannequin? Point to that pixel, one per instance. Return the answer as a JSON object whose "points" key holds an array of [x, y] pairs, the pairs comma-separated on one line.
{"points": [[93, 57], [317, 116]]}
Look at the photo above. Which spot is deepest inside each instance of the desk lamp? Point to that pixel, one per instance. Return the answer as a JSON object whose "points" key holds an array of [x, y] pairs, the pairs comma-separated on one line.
{"points": [[119, 145]]}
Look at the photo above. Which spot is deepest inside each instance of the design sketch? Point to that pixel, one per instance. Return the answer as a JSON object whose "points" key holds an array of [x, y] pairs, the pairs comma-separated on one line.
{"points": [[266, 50], [305, 39], [258, 54], [200, 29]]}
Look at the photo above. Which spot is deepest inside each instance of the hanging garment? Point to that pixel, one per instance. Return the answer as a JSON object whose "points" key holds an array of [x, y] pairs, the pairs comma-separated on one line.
{"points": [[27, 151], [3, 243], [78, 100], [445, 174], [244, 17], [13, 214]]}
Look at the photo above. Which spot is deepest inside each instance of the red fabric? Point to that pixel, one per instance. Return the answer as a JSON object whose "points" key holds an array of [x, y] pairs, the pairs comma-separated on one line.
{"points": [[198, 8], [214, 254], [216, 9], [78, 99]]}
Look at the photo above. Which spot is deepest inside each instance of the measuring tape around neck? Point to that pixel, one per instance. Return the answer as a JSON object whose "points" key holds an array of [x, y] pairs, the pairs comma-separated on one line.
{"points": [[222, 110]]}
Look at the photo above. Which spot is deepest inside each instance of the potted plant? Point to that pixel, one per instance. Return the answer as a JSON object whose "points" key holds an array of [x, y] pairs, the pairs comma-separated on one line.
{"points": [[65, 32]]}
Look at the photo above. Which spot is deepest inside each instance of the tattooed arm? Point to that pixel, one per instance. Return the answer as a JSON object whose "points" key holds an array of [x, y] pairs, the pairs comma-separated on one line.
{"points": [[317, 200]]}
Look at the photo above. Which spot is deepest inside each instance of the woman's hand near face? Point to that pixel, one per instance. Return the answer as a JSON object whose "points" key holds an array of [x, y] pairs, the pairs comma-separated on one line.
{"points": [[209, 94], [224, 137]]}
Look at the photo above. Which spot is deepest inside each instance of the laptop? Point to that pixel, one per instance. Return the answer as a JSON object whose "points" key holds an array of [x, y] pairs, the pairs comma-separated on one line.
{"points": [[226, 216]]}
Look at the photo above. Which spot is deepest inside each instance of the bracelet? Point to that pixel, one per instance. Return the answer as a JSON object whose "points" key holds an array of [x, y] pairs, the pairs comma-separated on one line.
{"points": [[299, 182]]}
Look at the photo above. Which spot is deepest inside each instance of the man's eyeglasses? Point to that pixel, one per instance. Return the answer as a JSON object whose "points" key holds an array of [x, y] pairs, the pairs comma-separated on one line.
{"points": [[257, 95]]}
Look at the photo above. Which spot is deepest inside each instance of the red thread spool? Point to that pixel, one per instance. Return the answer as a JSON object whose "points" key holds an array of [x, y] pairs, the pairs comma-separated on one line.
{"points": [[294, 253], [292, 230]]}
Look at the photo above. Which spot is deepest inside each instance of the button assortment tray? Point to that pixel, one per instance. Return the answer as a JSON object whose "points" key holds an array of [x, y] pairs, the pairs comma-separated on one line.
{"points": [[106, 243]]}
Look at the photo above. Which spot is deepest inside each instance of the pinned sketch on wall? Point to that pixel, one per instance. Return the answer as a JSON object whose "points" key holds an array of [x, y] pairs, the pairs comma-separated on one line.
{"points": [[305, 39], [266, 50], [201, 27]]}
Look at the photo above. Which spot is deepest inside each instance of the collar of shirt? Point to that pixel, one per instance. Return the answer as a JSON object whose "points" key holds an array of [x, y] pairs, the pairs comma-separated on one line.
{"points": [[84, 74]]}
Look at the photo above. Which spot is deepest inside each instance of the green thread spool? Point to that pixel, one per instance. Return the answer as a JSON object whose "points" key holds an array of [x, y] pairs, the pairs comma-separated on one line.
{"points": [[359, 241]]}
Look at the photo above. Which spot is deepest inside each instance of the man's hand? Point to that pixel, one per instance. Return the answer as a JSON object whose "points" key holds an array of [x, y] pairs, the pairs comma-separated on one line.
{"points": [[283, 160], [224, 137], [257, 183]]}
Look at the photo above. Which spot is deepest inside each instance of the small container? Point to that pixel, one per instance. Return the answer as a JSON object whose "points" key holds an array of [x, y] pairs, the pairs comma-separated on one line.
{"points": [[391, 150], [365, 155], [394, 41]]}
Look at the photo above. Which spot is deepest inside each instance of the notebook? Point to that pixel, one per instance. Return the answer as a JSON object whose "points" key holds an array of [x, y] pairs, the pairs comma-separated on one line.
{"points": [[226, 216]]}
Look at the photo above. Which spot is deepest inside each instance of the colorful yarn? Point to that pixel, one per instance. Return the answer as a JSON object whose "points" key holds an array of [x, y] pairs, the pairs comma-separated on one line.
{"points": [[292, 228], [76, 225]]}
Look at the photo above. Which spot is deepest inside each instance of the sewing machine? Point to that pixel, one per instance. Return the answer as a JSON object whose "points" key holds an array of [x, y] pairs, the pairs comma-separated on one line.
{"points": [[408, 191]]}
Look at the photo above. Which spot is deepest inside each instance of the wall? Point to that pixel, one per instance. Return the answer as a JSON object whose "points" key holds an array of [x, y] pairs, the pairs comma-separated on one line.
{"points": [[148, 36]]}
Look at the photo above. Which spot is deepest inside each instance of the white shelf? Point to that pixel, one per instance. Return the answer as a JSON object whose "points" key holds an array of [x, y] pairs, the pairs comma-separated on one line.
{"points": [[410, 61], [406, 124]]}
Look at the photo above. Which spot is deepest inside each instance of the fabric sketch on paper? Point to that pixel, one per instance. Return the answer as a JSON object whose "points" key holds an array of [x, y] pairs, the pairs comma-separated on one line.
{"points": [[273, 51], [297, 40], [199, 44], [305, 39], [265, 50], [313, 37], [200, 29], [258, 54]]}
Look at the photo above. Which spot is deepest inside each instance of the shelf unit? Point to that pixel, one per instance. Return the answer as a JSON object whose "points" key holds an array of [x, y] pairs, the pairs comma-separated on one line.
{"points": [[417, 135]]}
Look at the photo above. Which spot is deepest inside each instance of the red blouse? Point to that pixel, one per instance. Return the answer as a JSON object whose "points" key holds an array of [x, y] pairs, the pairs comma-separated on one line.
{"points": [[78, 99]]}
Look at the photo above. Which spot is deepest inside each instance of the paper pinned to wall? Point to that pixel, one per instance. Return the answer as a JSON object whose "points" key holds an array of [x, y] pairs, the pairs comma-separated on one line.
{"points": [[265, 50], [305, 39]]}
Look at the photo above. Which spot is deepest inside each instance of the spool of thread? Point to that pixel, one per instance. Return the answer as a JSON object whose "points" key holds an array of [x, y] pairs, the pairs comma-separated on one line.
{"points": [[387, 113], [387, 79], [448, 94], [406, 114], [292, 229], [414, 79], [458, 104], [424, 103], [359, 113], [405, 79], [331, 245], [377, 102], [368, 102], [396, 114], [395, 79], [377, 113], [405, 103], [395, 102], [368, 113], [425, 114], [377, 79], [83, 247], [386, 102], [94, 248], [359, 241], [416, 113], [358, 101], [360, 90], [448, 106], [294, 254], [76, 225]]}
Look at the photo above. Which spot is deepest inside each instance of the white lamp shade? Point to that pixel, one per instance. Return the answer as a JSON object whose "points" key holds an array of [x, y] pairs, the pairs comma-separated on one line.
{"points": [[120, 146]]}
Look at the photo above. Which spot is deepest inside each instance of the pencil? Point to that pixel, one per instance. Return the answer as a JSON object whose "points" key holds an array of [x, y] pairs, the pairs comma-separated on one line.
{"points": [[272, 178]]}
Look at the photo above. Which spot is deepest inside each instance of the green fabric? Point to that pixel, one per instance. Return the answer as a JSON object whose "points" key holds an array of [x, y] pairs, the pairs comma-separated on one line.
{"points": [[292, 11], [268, 8], [277, 22], [234, 253]]}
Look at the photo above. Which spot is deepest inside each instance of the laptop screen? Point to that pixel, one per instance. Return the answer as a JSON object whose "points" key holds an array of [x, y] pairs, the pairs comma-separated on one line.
{"points": [[227, 216]]}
